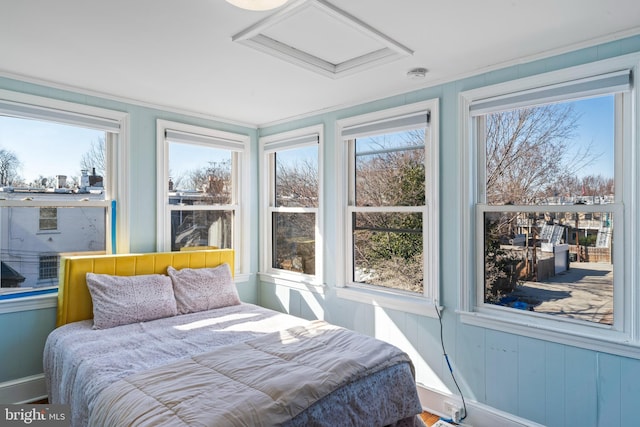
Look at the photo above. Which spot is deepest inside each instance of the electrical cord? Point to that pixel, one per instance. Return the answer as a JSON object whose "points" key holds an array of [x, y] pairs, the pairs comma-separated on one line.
{"points": [[446, 357]]}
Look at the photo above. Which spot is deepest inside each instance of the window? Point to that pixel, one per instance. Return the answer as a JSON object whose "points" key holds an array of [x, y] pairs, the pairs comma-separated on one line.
{"points": [[48, 267], [291, 199], [60, 181], [551, 202], [48, 219], [199, 187], [390, 217]]}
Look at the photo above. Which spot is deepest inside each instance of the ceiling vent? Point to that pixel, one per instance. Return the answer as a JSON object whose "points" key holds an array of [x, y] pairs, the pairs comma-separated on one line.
{"points": [[319, 36]]}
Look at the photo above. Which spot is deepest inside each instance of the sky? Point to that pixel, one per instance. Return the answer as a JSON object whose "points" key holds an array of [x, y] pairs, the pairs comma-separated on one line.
{"points": [[593, 128], [45, 148], [50, 149], [188, 157]]}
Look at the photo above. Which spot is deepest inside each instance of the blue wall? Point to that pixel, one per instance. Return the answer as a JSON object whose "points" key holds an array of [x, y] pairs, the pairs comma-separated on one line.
{"points": [[548, 383]]}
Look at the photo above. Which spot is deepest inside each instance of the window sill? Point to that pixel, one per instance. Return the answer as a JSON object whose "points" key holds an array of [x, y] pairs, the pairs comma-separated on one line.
{"points": [[596, 338], [301, 283], [29, 302], [379, 298]]}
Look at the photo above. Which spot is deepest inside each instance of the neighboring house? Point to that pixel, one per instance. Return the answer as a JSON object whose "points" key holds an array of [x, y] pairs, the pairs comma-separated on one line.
{"points": [[32, 239], [188, 230]]}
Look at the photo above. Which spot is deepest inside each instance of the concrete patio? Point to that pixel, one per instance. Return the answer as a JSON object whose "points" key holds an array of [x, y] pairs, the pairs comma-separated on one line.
{"points": [[584, 292]]}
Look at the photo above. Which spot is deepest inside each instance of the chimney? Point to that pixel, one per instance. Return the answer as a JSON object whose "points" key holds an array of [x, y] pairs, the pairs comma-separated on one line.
{"points": [[62, 181], [84, 179], [94, 180]]}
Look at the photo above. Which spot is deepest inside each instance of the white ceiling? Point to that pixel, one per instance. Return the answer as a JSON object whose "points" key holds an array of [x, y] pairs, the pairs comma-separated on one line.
{"points": [[179, 54]]}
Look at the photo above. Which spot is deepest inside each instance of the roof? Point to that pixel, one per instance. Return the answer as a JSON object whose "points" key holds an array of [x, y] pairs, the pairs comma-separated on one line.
{"points": [[9, 274]]}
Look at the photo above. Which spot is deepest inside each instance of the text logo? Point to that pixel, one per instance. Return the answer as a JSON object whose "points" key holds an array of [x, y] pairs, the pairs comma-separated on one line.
{"points": [[35, 415]]}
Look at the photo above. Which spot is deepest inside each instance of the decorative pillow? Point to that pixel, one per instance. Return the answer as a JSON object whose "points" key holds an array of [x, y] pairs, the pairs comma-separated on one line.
{"points": [[119, 300], [199, 289]]}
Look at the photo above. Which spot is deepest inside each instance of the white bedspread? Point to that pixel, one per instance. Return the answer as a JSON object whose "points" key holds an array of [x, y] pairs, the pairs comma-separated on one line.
{"points": [[79, 362], [265, 381]]}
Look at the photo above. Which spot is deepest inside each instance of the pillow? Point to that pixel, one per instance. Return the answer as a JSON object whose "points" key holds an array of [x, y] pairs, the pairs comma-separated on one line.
{"points": [[199, 289], [119, 300]]}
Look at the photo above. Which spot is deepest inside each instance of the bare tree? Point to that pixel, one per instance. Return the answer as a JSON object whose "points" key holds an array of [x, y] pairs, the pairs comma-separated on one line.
{"points": [[9, 164], [297, 184], [531, 156], [393, 173], [596, 185], [528, 153], [95, 157], [388, 246], [214, 180]]}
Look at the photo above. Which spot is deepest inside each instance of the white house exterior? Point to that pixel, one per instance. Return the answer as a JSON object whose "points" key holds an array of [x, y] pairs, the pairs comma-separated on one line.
{"points": [[32, 238]]}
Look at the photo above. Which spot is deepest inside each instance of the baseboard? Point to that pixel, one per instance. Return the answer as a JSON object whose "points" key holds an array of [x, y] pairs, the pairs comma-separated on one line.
{"points": [[23, 390], [478, 414]]}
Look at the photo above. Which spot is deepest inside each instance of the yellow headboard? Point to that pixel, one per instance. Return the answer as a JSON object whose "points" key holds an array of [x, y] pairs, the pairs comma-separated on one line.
{"points": [[74, 299]]}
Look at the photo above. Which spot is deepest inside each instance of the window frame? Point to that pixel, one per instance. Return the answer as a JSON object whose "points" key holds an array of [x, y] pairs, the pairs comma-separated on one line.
{"points": [[268, 146], [43, 260], [623, 337], [236, 143], [28, 106], [409, 302]]}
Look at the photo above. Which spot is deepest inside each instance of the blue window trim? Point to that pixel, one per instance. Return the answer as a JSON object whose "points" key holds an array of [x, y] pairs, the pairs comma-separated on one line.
{"points": [[31, 293]]}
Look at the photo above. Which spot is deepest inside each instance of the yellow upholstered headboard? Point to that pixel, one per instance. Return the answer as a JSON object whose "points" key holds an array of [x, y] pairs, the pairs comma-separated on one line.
{"points": [[74, 299]]}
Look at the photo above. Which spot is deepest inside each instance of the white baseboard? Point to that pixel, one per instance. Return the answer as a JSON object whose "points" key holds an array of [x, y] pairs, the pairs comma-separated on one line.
{"points": [[478, 414], [23, 390]]}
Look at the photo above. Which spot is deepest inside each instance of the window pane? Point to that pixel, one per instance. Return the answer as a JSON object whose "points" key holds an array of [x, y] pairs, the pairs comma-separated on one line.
{"points": [[41, 157], [296, 177], [549, 262], [199, 175], [389, 169], [201, 228], [30, 256], [294, 242], [48, 218], [557, 153], [388, 250]]}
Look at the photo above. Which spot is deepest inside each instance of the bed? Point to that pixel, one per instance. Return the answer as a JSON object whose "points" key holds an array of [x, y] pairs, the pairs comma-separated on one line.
{"points": [[182, 350]]}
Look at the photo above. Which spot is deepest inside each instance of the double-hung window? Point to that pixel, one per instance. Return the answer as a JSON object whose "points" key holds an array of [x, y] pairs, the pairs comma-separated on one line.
{"points": [[391, 238], [200, 176], [552, 227], [61, 180], [291, 195]]}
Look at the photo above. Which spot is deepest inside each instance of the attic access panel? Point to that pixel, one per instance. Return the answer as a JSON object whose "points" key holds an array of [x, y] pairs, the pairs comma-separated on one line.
{"points": [[318, 36]]}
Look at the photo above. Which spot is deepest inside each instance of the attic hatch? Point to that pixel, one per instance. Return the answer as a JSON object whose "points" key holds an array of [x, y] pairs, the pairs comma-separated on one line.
{"points": [[319, 36]]}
